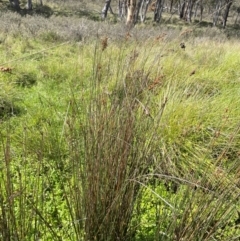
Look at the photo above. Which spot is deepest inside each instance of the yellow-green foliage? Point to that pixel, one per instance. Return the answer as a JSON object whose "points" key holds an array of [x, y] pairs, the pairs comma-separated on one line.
{"points": [[182, 108]]}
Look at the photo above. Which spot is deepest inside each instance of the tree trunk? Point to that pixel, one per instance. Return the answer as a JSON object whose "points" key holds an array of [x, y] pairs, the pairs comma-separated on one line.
{"points": [[105, 8], [201, 9], [131, 8], [189, 10], [182, 9], [226, 12], [144, 9], [136, 15], [122, 8], [15, 4], [29, 5], [217, 12], [238, 13], [199, 4], [171, 6], [158, 10]]}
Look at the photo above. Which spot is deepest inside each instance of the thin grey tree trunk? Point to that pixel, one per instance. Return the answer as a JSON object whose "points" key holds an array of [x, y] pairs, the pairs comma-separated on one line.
{"points": [[199, 4], [136, 15], [122, 8], [158, 10], [182, 6], [201, 12], [196, 9], [186, 10], [179, 7], [189, 10], [217, 12], [238, 13], [226, 12], [171, 6], [144, 9], [29, 5], [105, 8]]}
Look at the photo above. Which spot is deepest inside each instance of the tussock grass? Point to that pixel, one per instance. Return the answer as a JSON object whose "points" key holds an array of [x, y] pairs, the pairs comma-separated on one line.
{"points": [[121, 136], [8, 99]]}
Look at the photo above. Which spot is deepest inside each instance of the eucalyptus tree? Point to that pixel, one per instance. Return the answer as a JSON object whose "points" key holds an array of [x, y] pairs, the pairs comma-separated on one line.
{"points": [[228, 4], [191, 4], [29, 4], [222, 8], [238, 14], [105, 8], [199, 5], [171, 5], [182, 8], [217, 12], [158, 10], [134, 10], [131, 8], [144, 6], [122, 8], [143, 9], [186, 9], [137, 11]]}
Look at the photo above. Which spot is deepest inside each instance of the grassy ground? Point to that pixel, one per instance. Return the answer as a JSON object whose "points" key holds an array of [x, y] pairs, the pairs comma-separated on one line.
{"points": [[108, 134]]}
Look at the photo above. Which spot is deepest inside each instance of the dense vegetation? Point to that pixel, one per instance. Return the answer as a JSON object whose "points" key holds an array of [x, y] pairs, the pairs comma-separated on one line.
{"points": [[116, 134]]}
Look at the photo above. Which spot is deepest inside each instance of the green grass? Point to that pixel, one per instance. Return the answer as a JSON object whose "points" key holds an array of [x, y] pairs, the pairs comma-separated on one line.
{"points": [[119, 140]]}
